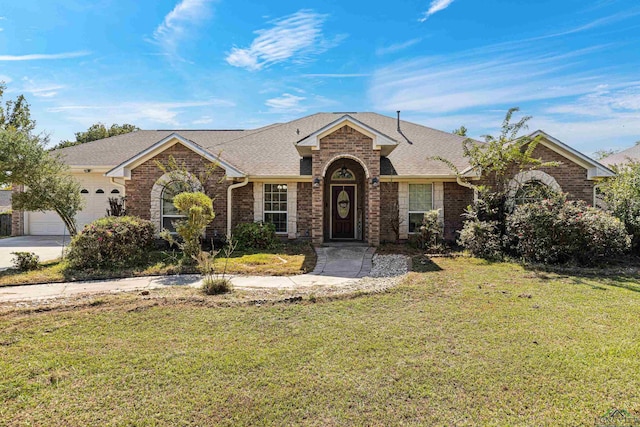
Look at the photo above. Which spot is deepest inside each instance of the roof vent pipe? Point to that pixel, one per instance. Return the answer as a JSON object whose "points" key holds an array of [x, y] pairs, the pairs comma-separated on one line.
{"points": [[398, 120]]}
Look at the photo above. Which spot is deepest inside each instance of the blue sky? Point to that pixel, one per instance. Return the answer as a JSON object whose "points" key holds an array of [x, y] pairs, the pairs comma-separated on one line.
{"points": [[571, 64]]}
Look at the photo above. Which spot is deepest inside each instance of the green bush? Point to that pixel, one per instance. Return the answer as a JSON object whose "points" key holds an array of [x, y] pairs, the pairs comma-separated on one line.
{"points": [[256, 235], [26, 261], [481, 238], [430, 234], [111, 242], [198, 209], [557, 230]]}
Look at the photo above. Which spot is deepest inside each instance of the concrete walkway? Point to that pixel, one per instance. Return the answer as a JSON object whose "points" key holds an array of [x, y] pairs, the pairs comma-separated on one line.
{"points": [[336, 266], [46, 247]]}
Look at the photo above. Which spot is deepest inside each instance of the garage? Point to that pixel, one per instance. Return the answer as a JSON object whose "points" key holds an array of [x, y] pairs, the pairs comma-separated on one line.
{"points": [[96, 191]]}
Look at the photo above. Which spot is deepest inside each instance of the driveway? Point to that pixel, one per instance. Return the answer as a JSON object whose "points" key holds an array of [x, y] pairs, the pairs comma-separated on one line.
{"points": [[46, 247]]}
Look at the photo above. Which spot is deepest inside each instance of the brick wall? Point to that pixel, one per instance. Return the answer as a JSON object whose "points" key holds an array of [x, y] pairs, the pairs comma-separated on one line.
{"points": [[242, 205], [143, 177], [347, 141], [456, 200], [571, 177], [388, 204], [304, 209]]}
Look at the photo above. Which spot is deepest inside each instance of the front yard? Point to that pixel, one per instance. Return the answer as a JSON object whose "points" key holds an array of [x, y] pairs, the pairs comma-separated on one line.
{"points": [[284, 261], [464, 343]]}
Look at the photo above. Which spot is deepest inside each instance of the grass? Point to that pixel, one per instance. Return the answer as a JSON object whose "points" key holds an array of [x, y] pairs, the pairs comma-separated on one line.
{"points": [[282, 261], [466, 343]]}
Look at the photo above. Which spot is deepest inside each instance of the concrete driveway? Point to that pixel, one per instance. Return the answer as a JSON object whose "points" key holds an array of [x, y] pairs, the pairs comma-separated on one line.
{"points": [[46, 247]]}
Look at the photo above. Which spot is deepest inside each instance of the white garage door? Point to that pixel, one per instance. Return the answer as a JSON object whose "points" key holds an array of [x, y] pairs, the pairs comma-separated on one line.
{"points": [[96, 190]]}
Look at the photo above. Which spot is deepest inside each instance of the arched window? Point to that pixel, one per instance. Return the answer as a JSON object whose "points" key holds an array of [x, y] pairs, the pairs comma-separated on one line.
{"points": [[169, 213], [343, 174], [532, 191], [99, 191], [84, 191], [115, 191]]}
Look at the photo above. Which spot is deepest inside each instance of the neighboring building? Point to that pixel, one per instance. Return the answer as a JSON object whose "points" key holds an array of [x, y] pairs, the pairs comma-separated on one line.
{"points": [[5, 200], [626, 156], [328, 176]]}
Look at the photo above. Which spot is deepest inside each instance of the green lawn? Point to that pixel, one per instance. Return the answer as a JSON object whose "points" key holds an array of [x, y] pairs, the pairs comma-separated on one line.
{"points": [[464, 343], [283, 261]]}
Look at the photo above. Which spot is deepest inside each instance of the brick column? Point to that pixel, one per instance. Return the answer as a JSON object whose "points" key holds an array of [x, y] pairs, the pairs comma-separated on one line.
{"points": [[317, 232], [374, 213]]}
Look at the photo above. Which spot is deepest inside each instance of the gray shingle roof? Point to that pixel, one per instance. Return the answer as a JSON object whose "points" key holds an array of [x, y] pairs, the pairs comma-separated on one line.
{"points": [[630, 154], [271, 150]]}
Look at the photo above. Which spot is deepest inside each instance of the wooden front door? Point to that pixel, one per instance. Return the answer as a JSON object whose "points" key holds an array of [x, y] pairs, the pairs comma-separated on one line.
{"points": [[343, 208]]}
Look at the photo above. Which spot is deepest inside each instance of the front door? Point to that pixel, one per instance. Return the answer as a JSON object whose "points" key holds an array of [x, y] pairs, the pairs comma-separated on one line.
{"points": [[343, 207]]}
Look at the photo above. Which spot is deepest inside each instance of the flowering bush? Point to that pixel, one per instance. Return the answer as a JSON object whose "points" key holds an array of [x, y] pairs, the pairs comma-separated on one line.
{"points": [[557, 230], [111, 242]]}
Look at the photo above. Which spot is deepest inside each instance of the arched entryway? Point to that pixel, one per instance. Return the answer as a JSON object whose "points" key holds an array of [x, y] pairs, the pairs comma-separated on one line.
{"points": [[345, 200]]}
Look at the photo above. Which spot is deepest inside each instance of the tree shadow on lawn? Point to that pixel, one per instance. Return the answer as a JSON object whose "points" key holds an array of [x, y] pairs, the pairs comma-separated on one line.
{"points": [[621, 273], [424, 264]]}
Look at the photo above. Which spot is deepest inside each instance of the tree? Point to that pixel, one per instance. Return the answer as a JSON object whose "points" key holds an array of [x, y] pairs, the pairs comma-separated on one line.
{"points": [[622, 198], [462, 131], [497, 159], [98, 131], [24, 161], [601, 154], [16, 114]]}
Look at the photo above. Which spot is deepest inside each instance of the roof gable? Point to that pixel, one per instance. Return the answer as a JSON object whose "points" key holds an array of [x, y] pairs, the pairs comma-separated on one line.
{"points": [[123, 170], [380, 141], [594, 168]]}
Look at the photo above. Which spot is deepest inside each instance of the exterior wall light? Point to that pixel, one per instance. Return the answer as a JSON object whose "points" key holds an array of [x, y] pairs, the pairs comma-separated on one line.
{"points": [[316, 182], [375, 181]]}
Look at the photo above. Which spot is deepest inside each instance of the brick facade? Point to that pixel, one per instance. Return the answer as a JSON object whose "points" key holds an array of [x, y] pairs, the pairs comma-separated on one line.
{"points": [[344, 143], [242, 205], [388, 210], [304, 210], [456, 200], [143, 177]]}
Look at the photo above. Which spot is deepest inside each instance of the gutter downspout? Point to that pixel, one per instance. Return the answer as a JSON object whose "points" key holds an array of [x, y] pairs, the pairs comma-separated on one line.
{"points": [[229, 200], [466, 184], [112, 181]]}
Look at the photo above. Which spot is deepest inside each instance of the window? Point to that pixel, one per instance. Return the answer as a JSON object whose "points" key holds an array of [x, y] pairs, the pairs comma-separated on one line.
{"points": [[115, 191], [532, 191], [99, 191], [420, 201], [169, 213], [343, 174], [275, 206], [84, 191]]}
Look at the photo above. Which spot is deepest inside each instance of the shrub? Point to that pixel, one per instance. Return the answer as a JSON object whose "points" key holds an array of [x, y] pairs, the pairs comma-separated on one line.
{"points": [[215, 286], [26, 261], [256, 235], [557, 230], [111, 242], [430, 235], [622, 198], [198, 208], [481, 238]]}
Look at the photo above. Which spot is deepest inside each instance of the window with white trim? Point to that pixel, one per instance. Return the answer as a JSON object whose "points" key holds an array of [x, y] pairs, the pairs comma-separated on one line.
{"points": [[532, 191], [275, 206], [169, 213], [420, 201]]}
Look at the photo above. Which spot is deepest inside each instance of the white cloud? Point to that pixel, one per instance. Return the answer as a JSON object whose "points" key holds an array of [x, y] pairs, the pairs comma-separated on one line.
{"points": [[336, 75], [286, 103], [396, 47], [5, 79], [164, 113], [202, 120], [178, 24], [294, 37], [44, 56], [435, 7], [40, 90]]}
